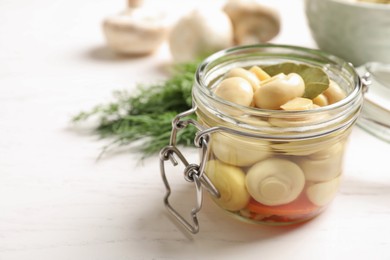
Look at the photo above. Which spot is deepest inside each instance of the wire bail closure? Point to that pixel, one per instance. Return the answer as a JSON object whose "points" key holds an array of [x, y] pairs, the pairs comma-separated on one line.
{"points": [[192, 173]]}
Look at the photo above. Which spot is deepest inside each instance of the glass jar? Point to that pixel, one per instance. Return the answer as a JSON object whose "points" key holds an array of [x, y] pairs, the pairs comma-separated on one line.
{"points": [[273, 166]]}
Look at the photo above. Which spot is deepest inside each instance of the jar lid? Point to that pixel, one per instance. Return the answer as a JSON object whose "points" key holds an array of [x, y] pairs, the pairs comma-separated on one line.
{"points": [[375, 115]]}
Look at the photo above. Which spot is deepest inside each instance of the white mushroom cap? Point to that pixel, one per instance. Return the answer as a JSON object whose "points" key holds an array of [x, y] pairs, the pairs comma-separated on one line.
{"points": [[236, 90], [323, 165], [200, 32], [278, 90], [237, 150], [322, 193], [230, 183], [275, 181], [334, 93], [252, 22], [136, 31], [245, 74]]}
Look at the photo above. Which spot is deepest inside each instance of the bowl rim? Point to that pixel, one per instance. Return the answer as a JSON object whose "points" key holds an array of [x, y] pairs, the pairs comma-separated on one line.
{"points": [[363, 5]]}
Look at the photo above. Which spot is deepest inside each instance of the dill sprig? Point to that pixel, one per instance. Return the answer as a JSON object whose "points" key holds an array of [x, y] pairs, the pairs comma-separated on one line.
{"points": [[147, 115]]}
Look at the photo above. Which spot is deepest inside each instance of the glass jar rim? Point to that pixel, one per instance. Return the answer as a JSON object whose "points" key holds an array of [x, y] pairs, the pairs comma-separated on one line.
{"points": [[202, 70], [277, 124]]}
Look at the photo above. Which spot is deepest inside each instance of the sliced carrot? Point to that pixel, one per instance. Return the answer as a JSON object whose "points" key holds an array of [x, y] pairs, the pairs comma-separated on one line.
{"points": [[300, 206]]}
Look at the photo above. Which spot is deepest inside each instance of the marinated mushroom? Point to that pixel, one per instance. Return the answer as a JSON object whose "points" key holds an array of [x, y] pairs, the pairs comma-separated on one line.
{"points": [[327, 152], [236, 90], [245, 74], [322, 193], [296, 148], [260, 73], [254, 121], [376, 1], [252, 22], [136, 31], [275, 181], [200, 33], [230, 183], [334, 93], [324, 165], [321, 100], [279, 89], [297, 104], [238, 151]]}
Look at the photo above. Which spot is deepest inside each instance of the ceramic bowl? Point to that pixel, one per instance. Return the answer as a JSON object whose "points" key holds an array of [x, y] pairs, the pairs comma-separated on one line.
{"points": [[358, 32]]}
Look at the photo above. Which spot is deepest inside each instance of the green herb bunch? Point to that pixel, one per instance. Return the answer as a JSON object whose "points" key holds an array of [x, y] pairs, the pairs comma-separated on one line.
{"points": [[147, 115]]}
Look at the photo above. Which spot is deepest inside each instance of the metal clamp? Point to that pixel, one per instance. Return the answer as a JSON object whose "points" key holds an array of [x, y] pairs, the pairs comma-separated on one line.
{"points": [[192, 172]]}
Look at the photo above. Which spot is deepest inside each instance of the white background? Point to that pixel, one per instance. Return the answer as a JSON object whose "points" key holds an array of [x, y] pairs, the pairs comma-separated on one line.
{"points": [[57, 202]]}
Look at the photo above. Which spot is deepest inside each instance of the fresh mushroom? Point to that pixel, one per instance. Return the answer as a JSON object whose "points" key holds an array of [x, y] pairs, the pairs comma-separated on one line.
{"points": [[275, 181], [279, 89], [252, 22], [199, 33], [230, 183], [136, 31]]}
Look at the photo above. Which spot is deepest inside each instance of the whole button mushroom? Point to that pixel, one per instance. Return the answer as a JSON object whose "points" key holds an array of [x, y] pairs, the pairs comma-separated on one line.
{"points": [[238, 151], [245, 74], [321, 170], [236, 90], [278, 90], [334, 93], [322, 193], [324, 165], [201, 32], [252, 22], [136, 31], [298, 147], [275, 181], [230, 183]]}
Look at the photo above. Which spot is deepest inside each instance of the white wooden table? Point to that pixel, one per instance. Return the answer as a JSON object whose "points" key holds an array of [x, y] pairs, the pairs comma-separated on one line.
{"points": [[57, 202]]}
